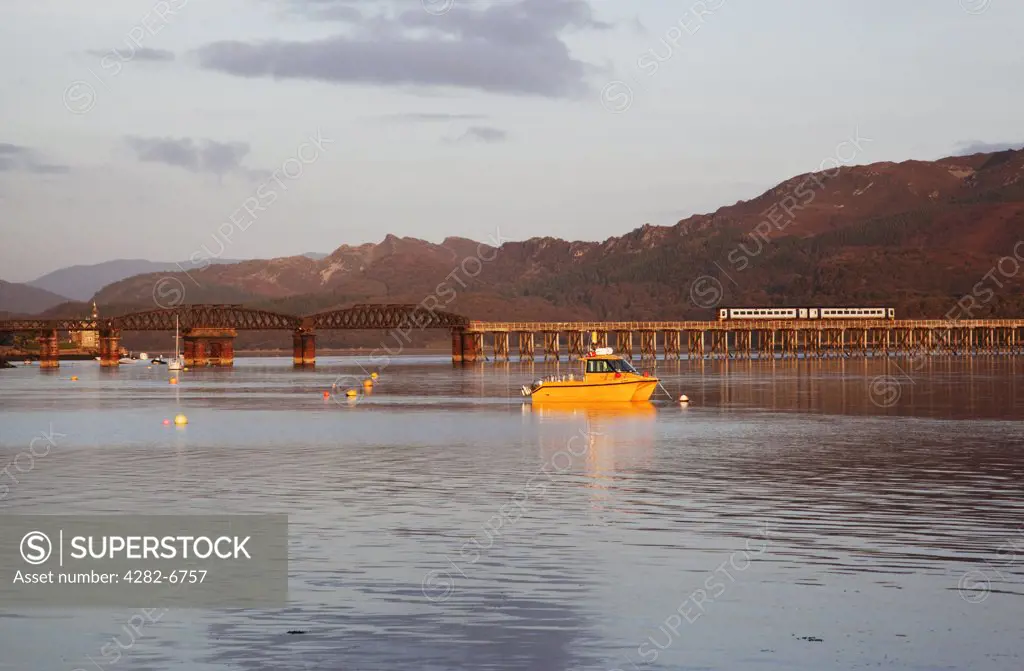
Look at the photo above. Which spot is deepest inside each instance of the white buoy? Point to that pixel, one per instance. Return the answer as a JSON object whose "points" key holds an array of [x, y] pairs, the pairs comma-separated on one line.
{"points": [[684, 399]]}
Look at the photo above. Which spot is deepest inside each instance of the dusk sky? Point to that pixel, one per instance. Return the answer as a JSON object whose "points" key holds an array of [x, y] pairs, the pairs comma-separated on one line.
{"points": [[133, 129]]}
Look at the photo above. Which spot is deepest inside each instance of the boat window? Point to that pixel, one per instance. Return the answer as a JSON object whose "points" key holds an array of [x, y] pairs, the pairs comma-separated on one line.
{"points": [[622, 366], [598, 366]]}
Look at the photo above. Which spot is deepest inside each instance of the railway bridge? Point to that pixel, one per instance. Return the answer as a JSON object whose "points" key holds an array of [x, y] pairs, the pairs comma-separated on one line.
{"points": [[745, 338], [209, 331]]}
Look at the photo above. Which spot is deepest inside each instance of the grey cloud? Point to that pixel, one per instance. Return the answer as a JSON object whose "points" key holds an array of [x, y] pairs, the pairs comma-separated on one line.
{"points": [[192, 155], [976, 147], [329, 10], [486, 134], [507, 47], [16, 158], [137, 53], [431, 116]]}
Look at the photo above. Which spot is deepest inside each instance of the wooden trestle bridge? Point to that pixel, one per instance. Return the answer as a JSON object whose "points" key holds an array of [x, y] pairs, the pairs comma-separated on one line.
{"points": [[745, 339], [209, 331]]}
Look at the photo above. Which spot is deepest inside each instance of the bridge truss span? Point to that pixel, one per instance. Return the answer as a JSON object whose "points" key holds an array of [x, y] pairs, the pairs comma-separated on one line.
{"points": [[386, 316]]}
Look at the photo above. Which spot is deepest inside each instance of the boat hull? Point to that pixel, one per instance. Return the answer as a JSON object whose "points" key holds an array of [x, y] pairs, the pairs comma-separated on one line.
{"points": [[589, 392]]}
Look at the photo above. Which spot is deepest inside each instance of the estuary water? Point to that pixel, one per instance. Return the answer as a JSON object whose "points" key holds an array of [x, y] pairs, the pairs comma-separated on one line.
{"points": [[796, 515]]}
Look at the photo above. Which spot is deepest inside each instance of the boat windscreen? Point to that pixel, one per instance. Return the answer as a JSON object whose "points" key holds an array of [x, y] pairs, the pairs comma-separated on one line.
{"points": [[621, 366]]}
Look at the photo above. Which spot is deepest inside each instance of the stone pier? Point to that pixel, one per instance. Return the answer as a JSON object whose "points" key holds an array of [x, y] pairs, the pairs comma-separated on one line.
{"points": [[49, 350], [110, 348], [303, 348], [467, 346], [209, 347]]}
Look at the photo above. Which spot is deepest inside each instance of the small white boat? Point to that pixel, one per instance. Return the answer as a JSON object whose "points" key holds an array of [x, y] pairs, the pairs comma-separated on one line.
{"points": [[143, 356], [178, 362]]}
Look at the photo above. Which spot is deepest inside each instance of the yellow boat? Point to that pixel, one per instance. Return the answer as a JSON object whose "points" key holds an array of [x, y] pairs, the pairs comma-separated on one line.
{"points": [[606, 378]]}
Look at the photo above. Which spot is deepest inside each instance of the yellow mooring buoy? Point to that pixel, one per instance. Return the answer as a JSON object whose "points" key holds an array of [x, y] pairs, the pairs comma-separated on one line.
{"points": [[180, 419]]}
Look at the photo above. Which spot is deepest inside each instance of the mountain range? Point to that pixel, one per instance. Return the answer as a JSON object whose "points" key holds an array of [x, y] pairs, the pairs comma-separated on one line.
{"points": [[915, 235]]}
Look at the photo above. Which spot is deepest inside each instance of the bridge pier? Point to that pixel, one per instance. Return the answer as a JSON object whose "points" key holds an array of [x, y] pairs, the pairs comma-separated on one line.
{"points": [[551, 349], [472, 346], [467, 346], [672, 348], [500, 345], [624, 344], [694, 344], [49, 350], [303, 348], [648, 345], [789, 343], [210, 347], [766, 344], [526, 346], [110, 349], [720, 344], [576, 344], [743, 344], [456, 346]]}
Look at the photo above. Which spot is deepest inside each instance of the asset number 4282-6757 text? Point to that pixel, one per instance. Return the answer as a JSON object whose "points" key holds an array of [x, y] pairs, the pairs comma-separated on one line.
{"points": [[157, 577]]}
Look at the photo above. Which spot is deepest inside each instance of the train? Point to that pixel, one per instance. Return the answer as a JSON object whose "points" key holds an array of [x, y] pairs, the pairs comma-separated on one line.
{"points": [[728, 314]]}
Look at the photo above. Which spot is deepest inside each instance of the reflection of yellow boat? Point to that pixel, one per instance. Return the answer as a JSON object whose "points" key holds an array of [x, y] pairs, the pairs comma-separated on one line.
{"points": [[595, 411], [606, 378]]}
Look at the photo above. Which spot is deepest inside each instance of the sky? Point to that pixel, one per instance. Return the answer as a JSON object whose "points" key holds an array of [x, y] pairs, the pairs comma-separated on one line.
{"points": [[266, 128]]}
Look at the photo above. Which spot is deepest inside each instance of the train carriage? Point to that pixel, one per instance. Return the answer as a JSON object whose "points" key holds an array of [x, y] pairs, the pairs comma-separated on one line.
{"points": [[760, 313]]}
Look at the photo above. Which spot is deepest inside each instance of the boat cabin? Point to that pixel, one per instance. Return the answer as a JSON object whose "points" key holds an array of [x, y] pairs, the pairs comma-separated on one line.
{"points": [[602, 360]]}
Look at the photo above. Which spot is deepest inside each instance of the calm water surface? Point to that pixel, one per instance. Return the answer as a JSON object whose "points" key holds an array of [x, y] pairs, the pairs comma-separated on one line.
{"points": [[797, 515]]}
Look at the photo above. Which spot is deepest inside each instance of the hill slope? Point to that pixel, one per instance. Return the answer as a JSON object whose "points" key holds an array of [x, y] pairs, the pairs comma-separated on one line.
{"points": [[82, 282], [916, 235], [24, 299]]}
